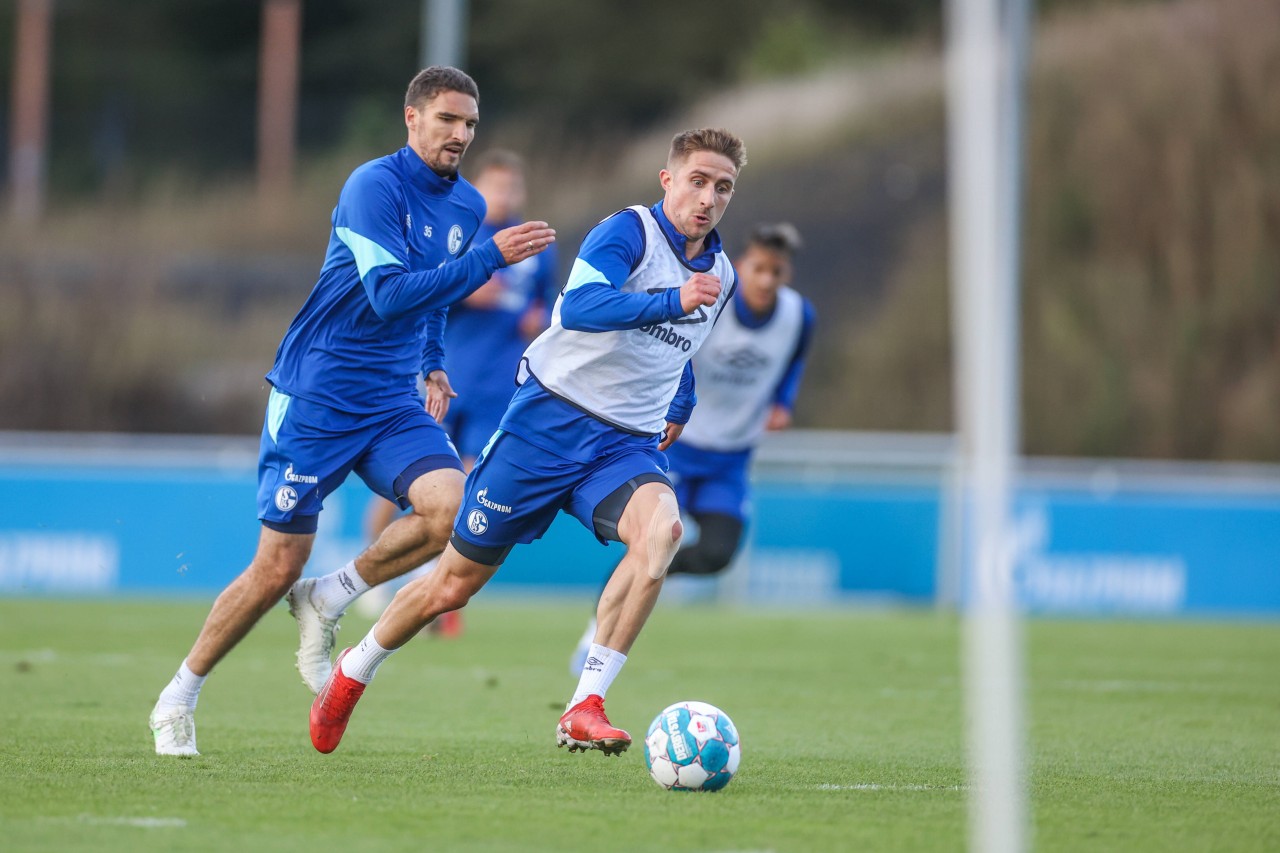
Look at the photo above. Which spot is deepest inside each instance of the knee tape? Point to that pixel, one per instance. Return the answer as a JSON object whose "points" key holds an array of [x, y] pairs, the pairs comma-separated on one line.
{"points": [[665, 531]]}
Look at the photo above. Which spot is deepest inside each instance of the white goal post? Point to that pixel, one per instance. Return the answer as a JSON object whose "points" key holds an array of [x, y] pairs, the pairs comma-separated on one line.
{"points": [[986, 47]]}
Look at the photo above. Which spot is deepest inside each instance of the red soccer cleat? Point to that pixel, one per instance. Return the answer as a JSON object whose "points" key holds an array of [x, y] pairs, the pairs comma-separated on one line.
{"points": [[450, 623], [447, 625], [585, 726], [331, 710]]}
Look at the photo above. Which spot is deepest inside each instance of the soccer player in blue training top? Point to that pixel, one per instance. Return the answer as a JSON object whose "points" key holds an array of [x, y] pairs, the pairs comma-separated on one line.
{"points": [[748, 374], [483, 341], [344, 390], [602, 392]]}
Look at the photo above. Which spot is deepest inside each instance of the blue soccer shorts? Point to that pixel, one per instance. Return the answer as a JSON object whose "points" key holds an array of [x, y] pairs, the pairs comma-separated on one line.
{"points": [[308, 449], [473, 419], [711, 481], [516, 489]]}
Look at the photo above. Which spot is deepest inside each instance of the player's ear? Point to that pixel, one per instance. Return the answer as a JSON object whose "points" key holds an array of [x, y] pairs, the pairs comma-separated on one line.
{"points": [[410, 117], [664, 178]]}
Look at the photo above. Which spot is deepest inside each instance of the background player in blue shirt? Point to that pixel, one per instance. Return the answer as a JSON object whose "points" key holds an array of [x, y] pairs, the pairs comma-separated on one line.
{"points": [[483, 340], [488, 331], [344, 389], [603, 391], [748, 374]]}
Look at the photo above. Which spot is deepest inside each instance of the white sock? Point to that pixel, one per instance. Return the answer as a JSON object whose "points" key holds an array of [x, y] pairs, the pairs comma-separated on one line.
{"points": [[184, 690], [335, 591], [601, 668], [363, 661]]}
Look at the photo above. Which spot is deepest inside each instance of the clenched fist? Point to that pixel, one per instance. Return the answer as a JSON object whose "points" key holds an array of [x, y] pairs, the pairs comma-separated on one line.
{"points": [[701, 289]]}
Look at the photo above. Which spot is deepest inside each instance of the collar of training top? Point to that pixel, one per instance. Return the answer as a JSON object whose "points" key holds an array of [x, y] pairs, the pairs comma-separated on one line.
{"points": [[421, 175], [749, 318]]}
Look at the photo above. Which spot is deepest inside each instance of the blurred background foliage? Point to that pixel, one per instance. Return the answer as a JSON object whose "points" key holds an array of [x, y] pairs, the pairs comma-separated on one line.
{"points": [[153, 294], [143, 86]]}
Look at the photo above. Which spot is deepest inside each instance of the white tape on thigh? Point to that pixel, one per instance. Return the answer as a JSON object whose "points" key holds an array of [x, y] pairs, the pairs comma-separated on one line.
{"points": [[664, 535]]}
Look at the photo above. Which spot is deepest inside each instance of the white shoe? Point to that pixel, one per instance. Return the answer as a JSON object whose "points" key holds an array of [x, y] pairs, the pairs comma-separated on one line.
{"points": [[579, 657], [317, 634], [174, 728]]}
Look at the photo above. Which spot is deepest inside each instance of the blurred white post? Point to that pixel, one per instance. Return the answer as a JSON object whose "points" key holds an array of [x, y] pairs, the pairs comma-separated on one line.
{"points": [[29, 131], [444, 31], [984, 95]]}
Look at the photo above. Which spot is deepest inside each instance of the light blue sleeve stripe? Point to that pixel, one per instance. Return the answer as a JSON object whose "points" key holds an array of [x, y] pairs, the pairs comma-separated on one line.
{"points": [[368, 254], [277, 405], [583, 273]]}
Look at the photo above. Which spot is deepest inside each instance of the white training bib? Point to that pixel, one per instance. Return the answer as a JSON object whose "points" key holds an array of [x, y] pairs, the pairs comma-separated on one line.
{"points": [[737, 372], [629, 377]]}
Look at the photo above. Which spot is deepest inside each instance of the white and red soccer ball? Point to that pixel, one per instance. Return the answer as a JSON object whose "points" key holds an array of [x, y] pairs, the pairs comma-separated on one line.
{"points": [[692, 746]]}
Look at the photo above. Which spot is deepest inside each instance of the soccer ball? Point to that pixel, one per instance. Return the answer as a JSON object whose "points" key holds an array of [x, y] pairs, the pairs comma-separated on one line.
{"points": [[692, 746]]}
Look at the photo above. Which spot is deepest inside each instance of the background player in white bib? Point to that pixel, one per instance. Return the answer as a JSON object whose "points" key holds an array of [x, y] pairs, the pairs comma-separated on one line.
{"points": [[602, 392], [748, 374], [345, 392]]}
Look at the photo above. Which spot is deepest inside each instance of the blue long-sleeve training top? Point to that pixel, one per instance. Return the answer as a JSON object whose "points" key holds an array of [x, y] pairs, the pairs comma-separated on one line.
{"points": [[397, 258]]}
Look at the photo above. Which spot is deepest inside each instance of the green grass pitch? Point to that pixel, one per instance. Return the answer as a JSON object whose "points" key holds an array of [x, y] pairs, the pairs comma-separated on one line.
{"points": [[1153, 736]]}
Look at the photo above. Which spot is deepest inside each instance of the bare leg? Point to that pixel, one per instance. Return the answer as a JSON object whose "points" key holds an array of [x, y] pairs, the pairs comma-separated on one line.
{"points": [[277, 564], [650, 528], [448, 588], [411, 540], [380, 513], [445, 589]]}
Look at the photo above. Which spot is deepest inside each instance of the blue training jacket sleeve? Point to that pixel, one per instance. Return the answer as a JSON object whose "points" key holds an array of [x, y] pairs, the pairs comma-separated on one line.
{"points": [[368, 220], [681, 408], [789, 385], [592, 301], [433, 343]]}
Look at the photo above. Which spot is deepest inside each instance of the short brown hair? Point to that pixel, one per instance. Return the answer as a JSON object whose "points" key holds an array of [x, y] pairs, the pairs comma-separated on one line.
{"points": [[714, 139], [777, 237], [498, 158], [433, 80]]}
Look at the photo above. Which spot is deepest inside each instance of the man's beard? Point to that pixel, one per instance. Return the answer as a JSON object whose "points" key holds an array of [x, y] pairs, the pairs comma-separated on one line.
{"points": [[445, 170]]}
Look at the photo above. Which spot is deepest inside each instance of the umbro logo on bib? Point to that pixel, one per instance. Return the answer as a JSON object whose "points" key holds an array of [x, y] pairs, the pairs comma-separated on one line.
{"points": [[699, 316], [668, 336], [688, 319], [747, 358]]}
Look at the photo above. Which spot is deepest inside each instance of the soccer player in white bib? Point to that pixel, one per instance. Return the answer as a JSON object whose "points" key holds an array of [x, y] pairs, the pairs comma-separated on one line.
{"points": [[601, 394], [748, 373]]}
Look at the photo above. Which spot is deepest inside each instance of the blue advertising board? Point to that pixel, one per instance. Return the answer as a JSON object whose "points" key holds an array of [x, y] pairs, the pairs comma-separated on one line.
{"points": [[179, 523]]}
